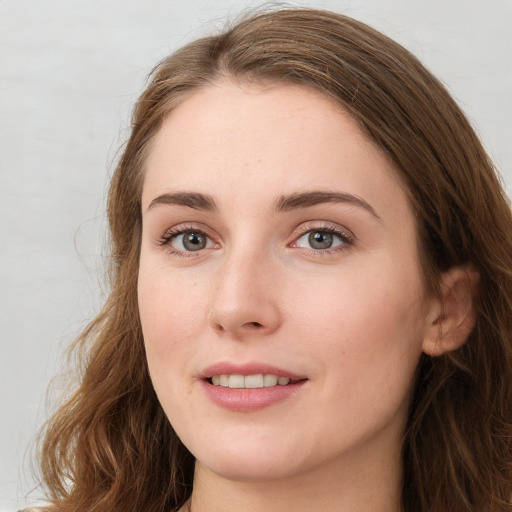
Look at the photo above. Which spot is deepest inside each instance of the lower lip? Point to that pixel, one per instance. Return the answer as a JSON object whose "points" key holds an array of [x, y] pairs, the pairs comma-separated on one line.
{"points": [[249, 399]]}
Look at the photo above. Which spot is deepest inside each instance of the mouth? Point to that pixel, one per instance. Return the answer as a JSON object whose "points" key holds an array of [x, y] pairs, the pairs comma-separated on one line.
{"points": [[249, 387], [259, 380]]}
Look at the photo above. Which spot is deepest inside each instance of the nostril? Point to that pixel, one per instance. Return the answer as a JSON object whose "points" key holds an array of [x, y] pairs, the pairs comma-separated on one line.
{"points": [[255, 324]]}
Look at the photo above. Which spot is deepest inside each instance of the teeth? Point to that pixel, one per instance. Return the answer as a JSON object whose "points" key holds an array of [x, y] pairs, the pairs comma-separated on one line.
{"points": [[253, 381], [236, 381], [249, 381], [270, 380]]}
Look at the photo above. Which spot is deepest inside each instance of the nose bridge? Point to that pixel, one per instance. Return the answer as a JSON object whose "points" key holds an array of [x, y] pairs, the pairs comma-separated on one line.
{"points": [[245, 299]]}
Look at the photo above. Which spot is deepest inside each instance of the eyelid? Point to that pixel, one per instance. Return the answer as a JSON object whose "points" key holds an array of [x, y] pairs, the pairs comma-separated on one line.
{"points": [[323, 225]]}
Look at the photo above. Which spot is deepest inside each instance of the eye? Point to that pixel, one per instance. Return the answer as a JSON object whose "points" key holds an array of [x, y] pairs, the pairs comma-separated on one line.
{"points": [[190, 241], [182, 241], [323, 239], [319, 239]]}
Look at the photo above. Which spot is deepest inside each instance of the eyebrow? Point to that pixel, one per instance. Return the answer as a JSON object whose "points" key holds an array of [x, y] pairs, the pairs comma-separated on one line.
{"points": [[192, 200], [309, 199], [296, 201]]}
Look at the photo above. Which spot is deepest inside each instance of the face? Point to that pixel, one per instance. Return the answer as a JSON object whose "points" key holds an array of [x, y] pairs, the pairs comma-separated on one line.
{"points": [[280, 292]]}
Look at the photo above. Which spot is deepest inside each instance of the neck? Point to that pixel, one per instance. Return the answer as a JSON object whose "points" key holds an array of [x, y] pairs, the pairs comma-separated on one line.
{"points": [[340, 486]]}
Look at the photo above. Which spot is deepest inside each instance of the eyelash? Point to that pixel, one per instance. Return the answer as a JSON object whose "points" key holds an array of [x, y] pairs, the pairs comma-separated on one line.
{"points": [[347, 240]]}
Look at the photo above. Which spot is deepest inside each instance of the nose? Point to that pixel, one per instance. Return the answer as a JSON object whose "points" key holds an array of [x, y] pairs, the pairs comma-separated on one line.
{"points": [[245, 303]]}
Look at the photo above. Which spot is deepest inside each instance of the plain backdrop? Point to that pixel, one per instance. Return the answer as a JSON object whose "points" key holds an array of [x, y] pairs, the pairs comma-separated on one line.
{"points": [[69, 73]]}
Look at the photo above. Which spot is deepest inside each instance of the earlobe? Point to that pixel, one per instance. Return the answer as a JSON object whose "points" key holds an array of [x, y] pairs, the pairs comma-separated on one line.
{"points": [[452, 316]]}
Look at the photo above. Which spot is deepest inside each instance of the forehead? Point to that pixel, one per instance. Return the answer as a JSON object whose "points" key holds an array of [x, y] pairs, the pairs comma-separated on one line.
{"points": [[247, 141]]}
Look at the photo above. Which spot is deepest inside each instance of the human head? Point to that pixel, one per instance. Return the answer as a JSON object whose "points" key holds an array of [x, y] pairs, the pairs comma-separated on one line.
{"points": [[462, 218]]}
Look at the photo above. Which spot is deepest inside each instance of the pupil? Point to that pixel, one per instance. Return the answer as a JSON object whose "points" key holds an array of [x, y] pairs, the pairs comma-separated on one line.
{"points": [[194, 241], [320, 240]]}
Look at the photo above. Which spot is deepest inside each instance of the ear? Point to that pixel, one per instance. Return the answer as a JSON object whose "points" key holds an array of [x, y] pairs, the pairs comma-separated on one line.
{"points": [[451, 317]]}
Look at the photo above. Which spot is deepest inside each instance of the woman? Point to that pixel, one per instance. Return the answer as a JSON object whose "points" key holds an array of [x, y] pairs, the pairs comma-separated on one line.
{"points": [[311, 296]]}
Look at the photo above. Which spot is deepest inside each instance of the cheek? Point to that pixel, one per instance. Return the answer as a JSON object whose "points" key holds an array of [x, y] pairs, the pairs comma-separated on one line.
{"points": [[170, 324], [172, 316], [166, 299], [373, 301], [364, 323]]}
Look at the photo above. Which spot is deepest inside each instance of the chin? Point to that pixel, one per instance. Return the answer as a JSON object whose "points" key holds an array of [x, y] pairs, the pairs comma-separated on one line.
{"points": [[248, 462], [248, 469]]}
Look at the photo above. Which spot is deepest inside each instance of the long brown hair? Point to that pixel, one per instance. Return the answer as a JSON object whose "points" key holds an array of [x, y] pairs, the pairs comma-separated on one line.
{"points": [[110, 446]]}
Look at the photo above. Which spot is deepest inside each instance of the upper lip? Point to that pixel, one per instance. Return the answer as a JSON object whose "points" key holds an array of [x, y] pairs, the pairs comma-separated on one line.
{"points": [[253, 368]]}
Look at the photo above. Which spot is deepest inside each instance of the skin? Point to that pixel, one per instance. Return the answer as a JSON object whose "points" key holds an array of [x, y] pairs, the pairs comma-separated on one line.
{"points": [[352, 320]]}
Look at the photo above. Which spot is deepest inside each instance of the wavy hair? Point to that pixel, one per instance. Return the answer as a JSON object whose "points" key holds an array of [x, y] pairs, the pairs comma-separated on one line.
{"points": [[110, 447]]}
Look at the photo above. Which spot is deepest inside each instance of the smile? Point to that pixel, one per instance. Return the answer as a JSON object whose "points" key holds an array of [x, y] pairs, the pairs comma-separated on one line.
{"points": [[258, 380]]}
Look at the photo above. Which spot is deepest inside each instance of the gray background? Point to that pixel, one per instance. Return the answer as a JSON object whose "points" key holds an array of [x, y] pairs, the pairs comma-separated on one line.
{"points": [[69, 74]]}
